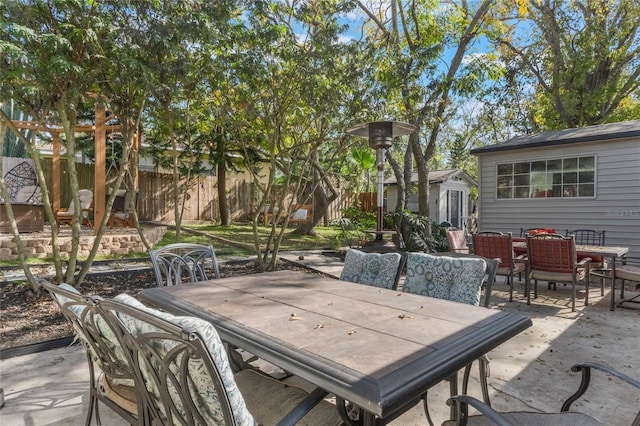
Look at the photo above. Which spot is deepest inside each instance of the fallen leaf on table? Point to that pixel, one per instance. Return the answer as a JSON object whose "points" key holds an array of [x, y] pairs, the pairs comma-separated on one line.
{"points": [[294, 317]]}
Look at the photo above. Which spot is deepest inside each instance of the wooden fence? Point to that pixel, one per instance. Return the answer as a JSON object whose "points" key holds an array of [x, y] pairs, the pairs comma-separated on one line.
{"points": [[155, 196]]}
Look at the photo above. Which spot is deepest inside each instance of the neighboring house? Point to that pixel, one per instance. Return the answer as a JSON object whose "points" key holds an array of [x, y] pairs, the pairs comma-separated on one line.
{"points": [[586, 178], [449, 196]]}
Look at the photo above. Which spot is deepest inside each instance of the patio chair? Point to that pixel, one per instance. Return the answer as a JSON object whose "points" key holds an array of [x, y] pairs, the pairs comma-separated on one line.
{"points": [[184, 263], [457, 241], [495, 245], [565, 417], [111, 376], [187, 379], [121, 211], [374, 269], [599, 265], [458, 278], [524, 232], [552, 258], [629, 270], [66, 216]]}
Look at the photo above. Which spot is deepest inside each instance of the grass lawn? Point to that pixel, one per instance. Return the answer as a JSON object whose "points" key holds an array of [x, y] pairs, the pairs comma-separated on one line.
{"points": [[238, 240], [229, 241]]}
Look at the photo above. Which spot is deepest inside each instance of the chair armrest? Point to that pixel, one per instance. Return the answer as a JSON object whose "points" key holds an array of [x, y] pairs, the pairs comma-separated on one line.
{"points": [[463, 402], [584, 262], [585, 368]]}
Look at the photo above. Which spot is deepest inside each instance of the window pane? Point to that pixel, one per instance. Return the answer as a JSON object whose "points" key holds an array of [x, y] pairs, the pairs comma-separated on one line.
{"points": [[519, 168], [521, 180], [521, 192], [504, 181], [570, 164], [556, 191], [504, 192], [505, 169], [554, 165], [538, 166], [586, 177], [570, 177], [587, 163], [568, 191], [586, 190]]}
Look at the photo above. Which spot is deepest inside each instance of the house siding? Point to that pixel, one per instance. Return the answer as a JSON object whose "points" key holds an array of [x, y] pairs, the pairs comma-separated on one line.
{"points": [[614, 209]]}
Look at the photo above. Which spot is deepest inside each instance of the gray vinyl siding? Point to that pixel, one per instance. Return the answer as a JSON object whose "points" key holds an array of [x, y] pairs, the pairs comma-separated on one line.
{"points": [[614, 209]]}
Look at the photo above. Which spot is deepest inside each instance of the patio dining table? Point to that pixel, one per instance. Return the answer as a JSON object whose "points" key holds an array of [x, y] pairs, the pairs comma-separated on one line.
{"points": [[379, 349], [612, 252]]}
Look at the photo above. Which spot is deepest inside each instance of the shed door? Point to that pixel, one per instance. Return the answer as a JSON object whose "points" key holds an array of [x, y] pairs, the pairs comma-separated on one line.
{"points": [[455, 208]]}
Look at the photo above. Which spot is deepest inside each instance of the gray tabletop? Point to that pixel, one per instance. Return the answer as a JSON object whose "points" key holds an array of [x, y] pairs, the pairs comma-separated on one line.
{"points": [[379, 349]]}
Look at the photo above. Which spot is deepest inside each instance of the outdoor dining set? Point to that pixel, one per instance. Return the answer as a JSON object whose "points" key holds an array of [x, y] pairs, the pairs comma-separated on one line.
{"points": [[369, 344]]}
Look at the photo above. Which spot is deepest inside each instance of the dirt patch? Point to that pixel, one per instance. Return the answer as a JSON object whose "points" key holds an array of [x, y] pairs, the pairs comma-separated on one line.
{"points": [[27, 319]]}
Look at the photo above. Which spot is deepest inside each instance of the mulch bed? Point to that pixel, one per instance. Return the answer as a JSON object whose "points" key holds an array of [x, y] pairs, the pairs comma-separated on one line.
{"points": [[27, 319]]}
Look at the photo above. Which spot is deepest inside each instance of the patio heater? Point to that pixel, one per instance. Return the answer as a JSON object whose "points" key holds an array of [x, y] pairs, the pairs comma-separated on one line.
{"points": [[380, 134]]}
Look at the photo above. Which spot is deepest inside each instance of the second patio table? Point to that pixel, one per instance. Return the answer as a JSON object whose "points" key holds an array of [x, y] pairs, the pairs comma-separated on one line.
{"points": [[612, 252], [379, 349]]}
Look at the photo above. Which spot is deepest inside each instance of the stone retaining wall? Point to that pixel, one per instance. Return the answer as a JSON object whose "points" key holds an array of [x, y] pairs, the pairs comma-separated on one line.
{"points": [[117, 243]]}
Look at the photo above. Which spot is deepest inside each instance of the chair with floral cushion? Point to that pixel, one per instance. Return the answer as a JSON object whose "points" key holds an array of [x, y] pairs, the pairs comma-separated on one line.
{"points": [[457, 278], [374, 269], [496, 245], [184, 263], [111, 376], [553, 258], [187, 378]]}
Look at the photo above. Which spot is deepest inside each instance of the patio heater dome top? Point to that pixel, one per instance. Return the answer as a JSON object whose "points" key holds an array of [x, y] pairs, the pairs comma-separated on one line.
{"points": [[381, 133]]}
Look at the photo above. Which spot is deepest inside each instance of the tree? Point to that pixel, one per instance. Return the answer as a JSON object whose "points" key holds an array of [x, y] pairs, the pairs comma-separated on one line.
{"points": [[419, 50], [49, 69], [181, 43], [291, 88], [583, 57]]}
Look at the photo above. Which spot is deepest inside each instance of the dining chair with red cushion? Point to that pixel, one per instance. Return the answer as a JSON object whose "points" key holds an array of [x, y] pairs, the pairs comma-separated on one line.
{"points": [[496, 245], [552, 258]]}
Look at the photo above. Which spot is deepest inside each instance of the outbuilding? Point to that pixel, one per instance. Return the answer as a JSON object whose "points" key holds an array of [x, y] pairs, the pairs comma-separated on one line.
{"points": [[450, 196], [584, 178]]}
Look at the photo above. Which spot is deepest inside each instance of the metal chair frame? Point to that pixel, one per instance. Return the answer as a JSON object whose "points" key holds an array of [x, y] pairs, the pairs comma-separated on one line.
{"points": [[165, 354], [483, 361], [103, 354], [549, 254], [184, 263], [487, 413], [592, 237]]}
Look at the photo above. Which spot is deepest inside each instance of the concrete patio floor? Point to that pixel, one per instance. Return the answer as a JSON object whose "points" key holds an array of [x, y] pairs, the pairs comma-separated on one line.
{"points": [[530, 371]]}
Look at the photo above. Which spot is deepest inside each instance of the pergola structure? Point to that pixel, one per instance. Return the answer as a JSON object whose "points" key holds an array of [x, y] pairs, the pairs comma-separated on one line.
{"points": [[100, 130]]}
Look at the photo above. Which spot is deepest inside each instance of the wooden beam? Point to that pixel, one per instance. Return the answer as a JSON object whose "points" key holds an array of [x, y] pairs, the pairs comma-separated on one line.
{"points": [[55, 173], [99, 191]]}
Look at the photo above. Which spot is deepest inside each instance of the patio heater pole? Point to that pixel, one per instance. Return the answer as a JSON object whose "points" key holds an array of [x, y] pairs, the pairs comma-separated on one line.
{"points": [[381, 134]]}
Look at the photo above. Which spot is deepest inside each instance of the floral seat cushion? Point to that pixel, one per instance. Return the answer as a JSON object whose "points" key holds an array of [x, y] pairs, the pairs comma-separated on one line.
{"points": [[374, 269], [450, 278], [78, 307], [201, 386]]}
